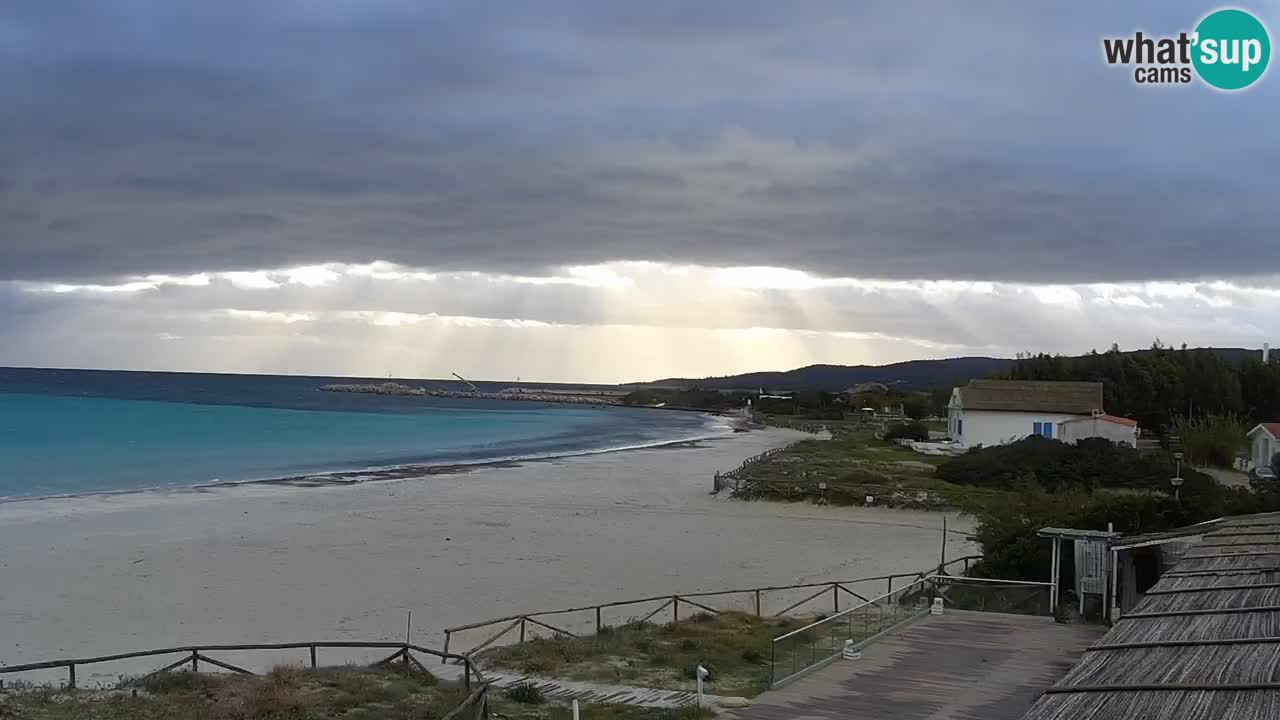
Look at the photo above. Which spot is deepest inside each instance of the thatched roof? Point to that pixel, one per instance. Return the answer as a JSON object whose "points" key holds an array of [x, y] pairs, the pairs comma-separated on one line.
{"points": [[1071, 398], [1204, 643]]}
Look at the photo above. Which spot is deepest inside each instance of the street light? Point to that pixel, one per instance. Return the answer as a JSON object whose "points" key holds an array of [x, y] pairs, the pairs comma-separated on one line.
{"points": [[1176, 480]]}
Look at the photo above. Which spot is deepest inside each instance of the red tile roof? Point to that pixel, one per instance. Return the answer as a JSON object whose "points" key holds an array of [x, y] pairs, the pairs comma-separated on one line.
{"points": [[1273, 428]]}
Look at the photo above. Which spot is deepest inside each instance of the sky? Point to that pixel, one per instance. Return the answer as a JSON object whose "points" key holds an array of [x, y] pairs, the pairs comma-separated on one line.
{"points": [[609, 191]]}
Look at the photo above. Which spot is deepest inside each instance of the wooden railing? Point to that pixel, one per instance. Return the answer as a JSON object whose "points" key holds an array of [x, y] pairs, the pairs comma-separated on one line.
{"points": [[730, 479], [193, 655], [520, 624], [475, 707]]}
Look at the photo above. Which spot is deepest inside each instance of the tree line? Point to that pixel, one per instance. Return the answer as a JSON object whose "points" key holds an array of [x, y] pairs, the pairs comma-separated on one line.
{"points": [[1157, 387]]}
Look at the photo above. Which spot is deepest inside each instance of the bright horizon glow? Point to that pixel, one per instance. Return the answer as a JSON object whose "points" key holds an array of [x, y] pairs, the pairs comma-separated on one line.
{"points": [[610, 322]]}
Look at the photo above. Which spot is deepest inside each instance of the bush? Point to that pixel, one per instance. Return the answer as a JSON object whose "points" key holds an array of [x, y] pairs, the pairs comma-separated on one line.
{"points": [[1012, 550], [1211, 439], [1060, 467], [172, 682], [526, 693], [914, 430], [753, 656]]}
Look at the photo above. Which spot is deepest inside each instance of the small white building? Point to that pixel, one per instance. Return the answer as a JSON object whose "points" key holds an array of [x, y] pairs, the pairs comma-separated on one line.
{"points": [[1264, 443], [997, 412], [1100, 425]]}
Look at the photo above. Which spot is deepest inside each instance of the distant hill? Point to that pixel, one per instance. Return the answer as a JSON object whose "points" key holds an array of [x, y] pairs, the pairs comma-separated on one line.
{"points": [[910, 375]]}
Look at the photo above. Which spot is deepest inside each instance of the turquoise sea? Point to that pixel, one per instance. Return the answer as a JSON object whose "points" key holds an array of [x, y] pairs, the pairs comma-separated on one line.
{"points": [[69, 432]]}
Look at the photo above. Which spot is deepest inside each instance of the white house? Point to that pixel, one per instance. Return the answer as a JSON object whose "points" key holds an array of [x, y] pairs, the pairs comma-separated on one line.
{"points": [[1264, 443], [996, 412], [1100, 425]]}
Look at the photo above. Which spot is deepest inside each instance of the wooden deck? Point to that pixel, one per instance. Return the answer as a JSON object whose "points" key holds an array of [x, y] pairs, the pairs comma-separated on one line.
{"points": [[957, 666]]}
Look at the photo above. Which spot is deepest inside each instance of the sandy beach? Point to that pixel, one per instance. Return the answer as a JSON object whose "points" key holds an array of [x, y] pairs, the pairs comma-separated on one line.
{"points": [[97, 575]]}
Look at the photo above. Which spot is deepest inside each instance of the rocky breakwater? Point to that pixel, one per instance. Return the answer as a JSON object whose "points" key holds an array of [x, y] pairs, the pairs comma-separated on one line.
{"points": [[391, 388]]}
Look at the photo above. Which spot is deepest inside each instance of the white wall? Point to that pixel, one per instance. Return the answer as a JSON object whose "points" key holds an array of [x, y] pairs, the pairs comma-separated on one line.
{"points": [[1097, 427], [1263, 448], [992, 427]]}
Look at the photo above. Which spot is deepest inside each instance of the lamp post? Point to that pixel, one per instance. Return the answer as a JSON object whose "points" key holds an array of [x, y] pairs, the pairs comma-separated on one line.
{"points": [[1176, 480]]}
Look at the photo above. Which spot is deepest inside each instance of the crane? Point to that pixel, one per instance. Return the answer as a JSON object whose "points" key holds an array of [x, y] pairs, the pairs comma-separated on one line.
{"points": [[468, 382]]}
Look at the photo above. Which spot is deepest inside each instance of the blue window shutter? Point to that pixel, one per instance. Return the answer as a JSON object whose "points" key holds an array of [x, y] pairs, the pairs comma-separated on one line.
{"points": [[1048, 430], [1038, 428]]}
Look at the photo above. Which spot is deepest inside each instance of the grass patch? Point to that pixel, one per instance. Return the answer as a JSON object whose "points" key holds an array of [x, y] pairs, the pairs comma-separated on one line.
{"points": [[733, 645], [291, 693], [856, 465], [287, 692], [526, 693]]}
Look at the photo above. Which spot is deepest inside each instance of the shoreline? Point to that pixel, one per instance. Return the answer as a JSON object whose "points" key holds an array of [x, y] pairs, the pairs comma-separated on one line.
{"points": [[359, 476]]}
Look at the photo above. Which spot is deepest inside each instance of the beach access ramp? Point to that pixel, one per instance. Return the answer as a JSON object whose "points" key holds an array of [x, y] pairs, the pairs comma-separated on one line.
{"points": [[961, 665]]}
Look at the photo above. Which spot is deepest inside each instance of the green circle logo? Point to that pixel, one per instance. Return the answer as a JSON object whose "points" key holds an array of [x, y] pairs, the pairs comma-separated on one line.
{"points": [[1232, 49]]}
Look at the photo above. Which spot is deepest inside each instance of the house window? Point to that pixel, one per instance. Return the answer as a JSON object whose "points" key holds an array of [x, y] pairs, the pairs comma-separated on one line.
{"points": [[959, 426], [1043, 429]]}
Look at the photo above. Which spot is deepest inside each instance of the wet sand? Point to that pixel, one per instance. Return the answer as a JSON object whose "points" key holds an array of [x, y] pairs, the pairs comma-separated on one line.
{"points": [[99, 575]]}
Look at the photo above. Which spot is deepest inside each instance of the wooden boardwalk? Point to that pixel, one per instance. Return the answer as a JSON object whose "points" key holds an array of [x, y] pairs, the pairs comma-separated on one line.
{"points": [[958, 666]]}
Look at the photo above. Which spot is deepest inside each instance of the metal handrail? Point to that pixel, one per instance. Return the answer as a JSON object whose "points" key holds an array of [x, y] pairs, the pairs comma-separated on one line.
{"points": [[849, 611], [515, 621], [930, 578], [935, 581], [994, 581]]}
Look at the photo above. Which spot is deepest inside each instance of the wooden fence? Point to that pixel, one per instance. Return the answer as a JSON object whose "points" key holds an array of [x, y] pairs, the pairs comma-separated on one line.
{"points": [[730, 479], [755, 597], [475, 707], [193, 655]]}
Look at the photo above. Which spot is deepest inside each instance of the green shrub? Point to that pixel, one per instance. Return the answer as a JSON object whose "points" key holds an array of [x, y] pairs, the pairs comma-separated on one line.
{"points": [[1210, 439], [526, 693], [753, 656], [913, 430]]}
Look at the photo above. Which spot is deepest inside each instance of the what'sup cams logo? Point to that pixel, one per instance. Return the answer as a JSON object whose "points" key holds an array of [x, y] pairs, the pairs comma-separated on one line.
{"points": [[1228, 50]]}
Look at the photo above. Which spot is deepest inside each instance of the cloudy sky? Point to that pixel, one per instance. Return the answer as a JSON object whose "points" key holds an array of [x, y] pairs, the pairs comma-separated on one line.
{"points": [[600, 190]]}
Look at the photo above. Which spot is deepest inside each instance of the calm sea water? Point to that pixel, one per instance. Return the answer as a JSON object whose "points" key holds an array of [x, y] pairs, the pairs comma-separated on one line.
{"points": [[77, 431]]}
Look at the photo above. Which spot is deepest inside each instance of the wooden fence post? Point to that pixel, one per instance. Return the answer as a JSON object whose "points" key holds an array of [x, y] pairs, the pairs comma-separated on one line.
{"points": [[71, 675], [313, 657], [522, 623], [598, 624], [195, 661], [835, 597], [675, 608], [447, 636], [757, 603]]}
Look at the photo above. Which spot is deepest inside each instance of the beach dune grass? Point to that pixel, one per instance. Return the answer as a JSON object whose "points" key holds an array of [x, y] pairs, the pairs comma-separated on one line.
{"points": [[733, 646], [854, 466], [289, 692]]}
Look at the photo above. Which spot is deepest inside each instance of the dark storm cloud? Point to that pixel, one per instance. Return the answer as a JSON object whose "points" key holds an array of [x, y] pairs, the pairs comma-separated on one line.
{"points": [[990, 141]]}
